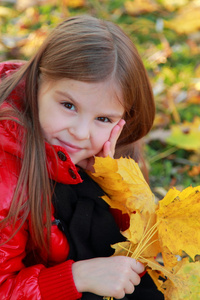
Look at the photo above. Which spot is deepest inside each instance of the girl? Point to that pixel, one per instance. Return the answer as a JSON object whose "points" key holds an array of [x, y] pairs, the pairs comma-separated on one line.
{"points": [[84, 93]]}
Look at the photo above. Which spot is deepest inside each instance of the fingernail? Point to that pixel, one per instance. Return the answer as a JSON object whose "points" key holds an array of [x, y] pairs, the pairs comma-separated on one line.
{"points": [[123, 122]]}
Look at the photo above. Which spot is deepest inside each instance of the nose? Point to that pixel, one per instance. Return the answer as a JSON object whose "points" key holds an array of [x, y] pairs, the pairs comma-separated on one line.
{"points": [[80, 130]]}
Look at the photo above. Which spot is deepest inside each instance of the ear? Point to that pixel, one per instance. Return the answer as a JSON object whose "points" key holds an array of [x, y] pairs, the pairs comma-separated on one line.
{"points": [[40, 77]]}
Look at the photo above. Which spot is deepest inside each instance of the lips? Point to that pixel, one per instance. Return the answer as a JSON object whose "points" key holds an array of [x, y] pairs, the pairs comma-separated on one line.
{"points": [[70, 148]]}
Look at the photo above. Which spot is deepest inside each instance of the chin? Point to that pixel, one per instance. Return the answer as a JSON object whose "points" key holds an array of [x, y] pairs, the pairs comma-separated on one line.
{"points": [[76, 161]]}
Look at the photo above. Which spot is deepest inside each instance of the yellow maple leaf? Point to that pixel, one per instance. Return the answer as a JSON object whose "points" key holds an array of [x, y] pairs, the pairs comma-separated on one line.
{"points": [[124, 185], [179, 222], [184, 284], [111, 182], [127, 190], [124, 175], [169, 229], [169, 259]]}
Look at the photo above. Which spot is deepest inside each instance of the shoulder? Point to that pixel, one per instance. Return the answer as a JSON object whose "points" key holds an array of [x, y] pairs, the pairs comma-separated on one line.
{"points": [[9, 66], [8, 180], [10, 164]]}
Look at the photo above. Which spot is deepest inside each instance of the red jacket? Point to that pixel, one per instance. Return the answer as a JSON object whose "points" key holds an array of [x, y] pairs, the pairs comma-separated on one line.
{"points": [[17, 281]]}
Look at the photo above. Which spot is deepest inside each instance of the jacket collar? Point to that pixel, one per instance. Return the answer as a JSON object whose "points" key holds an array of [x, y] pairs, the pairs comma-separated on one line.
{"points": [[59, 164]]}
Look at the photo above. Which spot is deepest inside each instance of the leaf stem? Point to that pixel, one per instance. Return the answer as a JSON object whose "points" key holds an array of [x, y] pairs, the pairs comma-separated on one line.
{"points": [[163, 154]]}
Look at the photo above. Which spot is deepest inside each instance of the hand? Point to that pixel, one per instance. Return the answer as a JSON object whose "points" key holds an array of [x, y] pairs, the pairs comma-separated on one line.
{"points": [[109, 276], [107, 149], [109, 146]]}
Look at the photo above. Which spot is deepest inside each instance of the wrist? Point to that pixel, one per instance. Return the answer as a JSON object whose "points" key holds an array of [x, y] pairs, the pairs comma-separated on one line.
{"points": [[79, 276]]}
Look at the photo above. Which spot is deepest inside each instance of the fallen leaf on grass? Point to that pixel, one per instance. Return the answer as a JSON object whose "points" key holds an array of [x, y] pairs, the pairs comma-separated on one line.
{"points": [[74, 3], [140, 6], [186, 135], [187, 20], [195, 171], [172, 5], [6, 12]]}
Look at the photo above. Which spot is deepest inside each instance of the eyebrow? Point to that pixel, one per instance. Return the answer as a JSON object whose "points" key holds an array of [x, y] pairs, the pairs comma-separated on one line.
{"points": [[65, 94], [109, 115]]}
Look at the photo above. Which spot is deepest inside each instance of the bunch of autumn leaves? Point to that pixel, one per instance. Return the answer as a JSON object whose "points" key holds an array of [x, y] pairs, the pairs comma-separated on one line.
{"points": [[169, 230]]}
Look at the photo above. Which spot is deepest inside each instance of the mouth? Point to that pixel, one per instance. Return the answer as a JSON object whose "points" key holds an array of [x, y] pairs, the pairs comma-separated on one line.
{"points": [[70, 148]]}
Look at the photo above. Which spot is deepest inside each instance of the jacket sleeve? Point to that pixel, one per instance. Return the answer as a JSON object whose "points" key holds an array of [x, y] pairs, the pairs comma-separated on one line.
{"points": [[16, 280]]}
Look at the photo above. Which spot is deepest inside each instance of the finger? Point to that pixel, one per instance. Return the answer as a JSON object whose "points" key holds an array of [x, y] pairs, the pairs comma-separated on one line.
{"points": [[106, 149], [87, 164], [130, 287], [115, 133], [135, 279], [138, 267]]}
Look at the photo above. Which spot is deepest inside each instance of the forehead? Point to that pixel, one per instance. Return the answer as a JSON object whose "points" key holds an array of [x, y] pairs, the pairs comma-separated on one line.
{"points": [[98, 94]]}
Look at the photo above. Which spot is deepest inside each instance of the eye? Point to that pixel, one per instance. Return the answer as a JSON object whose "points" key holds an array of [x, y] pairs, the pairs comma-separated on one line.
{"points": [[104, 119], [68, 105]]}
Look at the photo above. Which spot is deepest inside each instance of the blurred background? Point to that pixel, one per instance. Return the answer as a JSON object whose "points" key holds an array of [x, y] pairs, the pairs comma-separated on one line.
{"points": [[167, 35]]}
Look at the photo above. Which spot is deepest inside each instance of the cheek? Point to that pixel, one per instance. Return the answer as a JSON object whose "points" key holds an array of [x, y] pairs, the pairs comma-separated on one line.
{"points": [[51, 122], [100, 138], [49, 128]]}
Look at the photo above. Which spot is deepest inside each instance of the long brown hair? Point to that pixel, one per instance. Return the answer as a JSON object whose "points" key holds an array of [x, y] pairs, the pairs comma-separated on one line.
{"points": [[86, 49]]}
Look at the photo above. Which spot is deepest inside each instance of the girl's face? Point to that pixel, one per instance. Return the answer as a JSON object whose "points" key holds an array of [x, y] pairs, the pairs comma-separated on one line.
{"points": [[78, 116]]}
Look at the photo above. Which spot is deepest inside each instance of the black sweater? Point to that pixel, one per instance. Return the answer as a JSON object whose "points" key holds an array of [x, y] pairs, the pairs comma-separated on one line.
{"points": [[91, 229]]}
